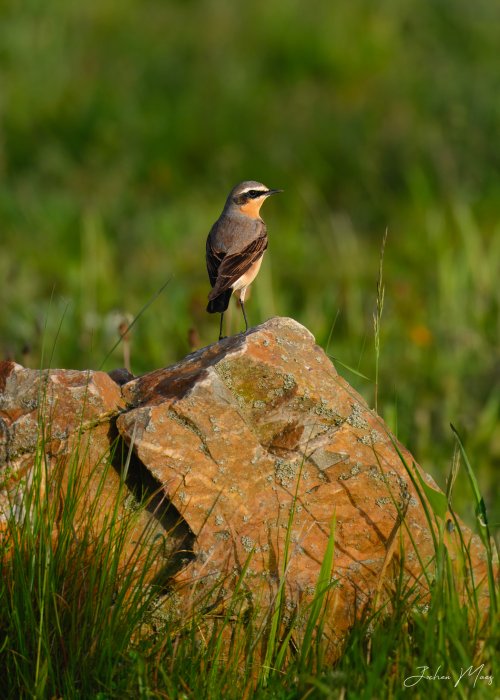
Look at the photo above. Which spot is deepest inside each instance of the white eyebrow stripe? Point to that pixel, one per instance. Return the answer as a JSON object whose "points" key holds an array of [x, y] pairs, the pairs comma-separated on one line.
{"points": [[249, 189]]}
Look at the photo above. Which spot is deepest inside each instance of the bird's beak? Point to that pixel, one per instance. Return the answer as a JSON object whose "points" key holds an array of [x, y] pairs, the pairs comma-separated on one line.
{"points": [[270, 192]]}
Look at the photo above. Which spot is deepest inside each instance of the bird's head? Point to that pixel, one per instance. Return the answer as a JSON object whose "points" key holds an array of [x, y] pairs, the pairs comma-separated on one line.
{"points": [[248, 197]]}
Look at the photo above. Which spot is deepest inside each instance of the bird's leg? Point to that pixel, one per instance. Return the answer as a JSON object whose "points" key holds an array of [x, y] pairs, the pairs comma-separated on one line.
{"points": [[244, 314], [220, 329], [243, 292]]}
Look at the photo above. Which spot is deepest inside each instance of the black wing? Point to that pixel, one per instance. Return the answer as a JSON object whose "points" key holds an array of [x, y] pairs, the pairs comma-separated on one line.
{"points": [[231, 266], [214, 259]]}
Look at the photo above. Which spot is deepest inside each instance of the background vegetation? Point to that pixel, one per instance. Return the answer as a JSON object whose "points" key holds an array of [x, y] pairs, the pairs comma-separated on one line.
{"points": [[123, 124]]}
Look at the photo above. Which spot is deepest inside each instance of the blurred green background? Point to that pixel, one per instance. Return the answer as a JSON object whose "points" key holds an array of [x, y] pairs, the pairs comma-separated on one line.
{"points": [[124, 123]]}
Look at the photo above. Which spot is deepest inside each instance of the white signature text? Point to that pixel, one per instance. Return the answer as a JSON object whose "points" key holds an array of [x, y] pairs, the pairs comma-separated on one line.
{"points": [[425, 674]]}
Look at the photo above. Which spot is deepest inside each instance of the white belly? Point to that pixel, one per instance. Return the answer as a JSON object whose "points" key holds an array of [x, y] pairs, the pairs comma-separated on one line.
{"points": [[249, 276]]}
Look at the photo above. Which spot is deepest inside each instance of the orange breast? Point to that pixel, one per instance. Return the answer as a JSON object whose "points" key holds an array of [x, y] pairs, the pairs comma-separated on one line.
{"points": [[252, 208]]}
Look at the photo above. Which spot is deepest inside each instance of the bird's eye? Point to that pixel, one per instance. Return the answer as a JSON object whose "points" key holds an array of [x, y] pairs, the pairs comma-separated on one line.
{"points": [[254, 194]]}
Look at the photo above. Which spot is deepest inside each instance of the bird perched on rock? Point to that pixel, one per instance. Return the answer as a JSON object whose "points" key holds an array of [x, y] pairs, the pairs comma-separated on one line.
{"points": [[235, 246]]}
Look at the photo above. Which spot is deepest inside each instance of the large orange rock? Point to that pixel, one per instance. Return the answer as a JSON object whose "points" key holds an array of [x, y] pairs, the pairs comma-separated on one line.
{"points": [[248, 449], [243, 431]]}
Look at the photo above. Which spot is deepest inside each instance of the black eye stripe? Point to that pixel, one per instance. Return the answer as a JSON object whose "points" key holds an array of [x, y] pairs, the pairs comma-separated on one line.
{"points": [[248, 195]]}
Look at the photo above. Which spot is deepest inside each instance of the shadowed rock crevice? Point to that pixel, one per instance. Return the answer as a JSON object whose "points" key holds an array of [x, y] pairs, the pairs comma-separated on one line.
{"points": [[147, 490]]}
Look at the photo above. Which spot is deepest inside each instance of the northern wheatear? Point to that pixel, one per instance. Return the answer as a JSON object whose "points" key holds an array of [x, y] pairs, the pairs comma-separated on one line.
{"points": [[235, 246]]}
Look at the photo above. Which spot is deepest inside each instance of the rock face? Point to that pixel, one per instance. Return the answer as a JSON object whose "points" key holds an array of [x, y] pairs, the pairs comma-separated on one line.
{"points": [[55, 408], [60, 414], [255, 441]]}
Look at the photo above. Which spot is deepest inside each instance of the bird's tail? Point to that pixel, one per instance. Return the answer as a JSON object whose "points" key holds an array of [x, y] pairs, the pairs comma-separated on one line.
{"points": [[220, 303]]}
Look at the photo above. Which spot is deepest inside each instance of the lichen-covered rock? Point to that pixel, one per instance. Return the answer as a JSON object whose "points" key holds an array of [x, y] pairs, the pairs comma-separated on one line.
{"points": [[242, 432], [55, 424], [249, 450], [55, 403]]}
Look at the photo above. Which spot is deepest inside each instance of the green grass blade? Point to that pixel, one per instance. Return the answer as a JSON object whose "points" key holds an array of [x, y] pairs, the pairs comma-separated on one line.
{"points": [[482, 522], [437, 500], [323, 586]]}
